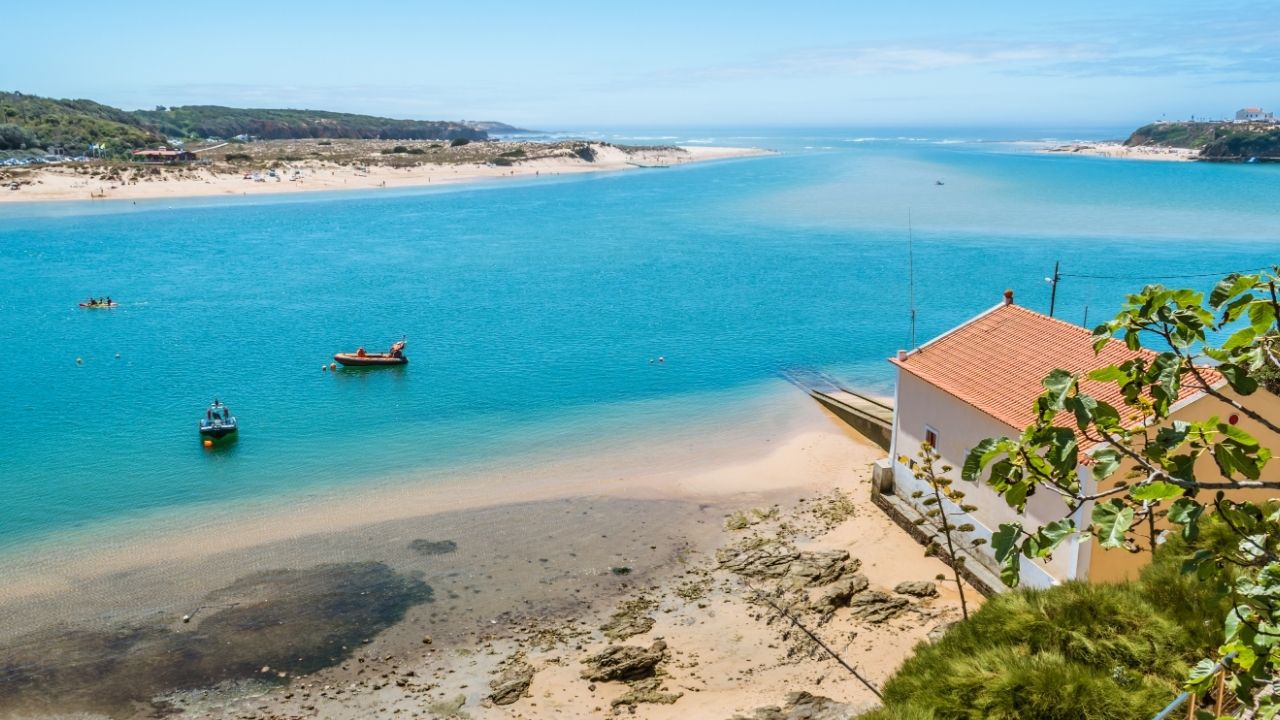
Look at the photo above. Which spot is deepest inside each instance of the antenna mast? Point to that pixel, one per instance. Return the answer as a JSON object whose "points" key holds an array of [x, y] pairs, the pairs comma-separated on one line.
{"points": [[911, 279]]}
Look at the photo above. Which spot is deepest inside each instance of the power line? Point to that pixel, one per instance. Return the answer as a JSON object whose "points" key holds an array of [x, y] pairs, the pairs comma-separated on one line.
{"points": [[1163, 277]]}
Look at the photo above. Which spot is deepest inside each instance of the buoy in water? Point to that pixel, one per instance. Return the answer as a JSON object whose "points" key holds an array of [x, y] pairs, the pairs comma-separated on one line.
{"points": [[79, 361], [207, 443], [333, 366], [324, 368]]}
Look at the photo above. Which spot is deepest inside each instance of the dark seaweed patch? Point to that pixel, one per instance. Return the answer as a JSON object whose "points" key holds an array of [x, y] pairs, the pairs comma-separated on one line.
{"points": [[433, 547], [293, 621]]}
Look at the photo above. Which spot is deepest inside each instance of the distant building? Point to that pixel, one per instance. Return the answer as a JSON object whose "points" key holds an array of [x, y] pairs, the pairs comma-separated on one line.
{"points": [[161, 156], [981, 380], [1253, 114]]}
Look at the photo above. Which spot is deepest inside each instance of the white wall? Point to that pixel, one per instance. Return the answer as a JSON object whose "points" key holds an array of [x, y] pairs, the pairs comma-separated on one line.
{"points": [[960, 427]]}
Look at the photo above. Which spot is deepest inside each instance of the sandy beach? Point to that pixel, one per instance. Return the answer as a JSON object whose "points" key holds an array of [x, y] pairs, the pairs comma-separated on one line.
{"points": [[432, 602], [66, 183], [1126, 152]]}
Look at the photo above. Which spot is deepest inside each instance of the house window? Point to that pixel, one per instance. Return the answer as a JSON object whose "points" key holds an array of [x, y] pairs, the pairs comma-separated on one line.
{"points": [[931, 437]]}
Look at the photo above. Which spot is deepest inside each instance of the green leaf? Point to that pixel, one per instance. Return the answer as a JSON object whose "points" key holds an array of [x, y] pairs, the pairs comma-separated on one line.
{"points": [[1186, 512], [1239, 378], [1229, 287], [1201, 676], [979, 456], [1156, 491], [1048, 538], [1106, 417], [1111, 520], [1236, 456], [1262, 315], [1111, 373], [1194, 563], [1016, 496], [1004, 543], [1105, 462], [1059, 384], [1240, 338]]}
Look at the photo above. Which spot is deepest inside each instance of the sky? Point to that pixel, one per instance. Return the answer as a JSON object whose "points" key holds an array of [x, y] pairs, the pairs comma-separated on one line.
{"points": [[562, 64]]}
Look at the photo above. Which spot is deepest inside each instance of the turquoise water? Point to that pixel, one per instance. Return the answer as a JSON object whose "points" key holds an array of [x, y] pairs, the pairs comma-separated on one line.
{"points": [[533, 309]]}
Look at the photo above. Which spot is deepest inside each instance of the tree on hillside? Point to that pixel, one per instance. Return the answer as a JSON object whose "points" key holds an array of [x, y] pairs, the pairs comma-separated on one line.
{"points": [[1239, 554]]}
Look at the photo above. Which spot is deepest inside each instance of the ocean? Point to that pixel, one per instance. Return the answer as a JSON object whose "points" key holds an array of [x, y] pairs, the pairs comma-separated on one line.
{"points": [[536, 311]]}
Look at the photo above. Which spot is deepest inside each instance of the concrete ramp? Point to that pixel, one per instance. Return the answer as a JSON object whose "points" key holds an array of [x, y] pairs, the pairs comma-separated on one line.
{"points": [[870, 417]]}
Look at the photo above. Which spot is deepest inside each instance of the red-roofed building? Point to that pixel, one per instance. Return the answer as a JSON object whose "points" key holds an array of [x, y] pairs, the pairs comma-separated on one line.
{"points": [[981, 380]]}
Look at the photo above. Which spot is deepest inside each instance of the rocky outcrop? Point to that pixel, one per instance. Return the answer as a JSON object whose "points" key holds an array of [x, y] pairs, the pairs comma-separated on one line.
{"points": [[798, 569], [625, 662], [821, 568], [630, 620], [917, 588], [646, 691], [840, 594], [761, 562], [803, 706], [939, 631], [513, 680], [874, 606]]}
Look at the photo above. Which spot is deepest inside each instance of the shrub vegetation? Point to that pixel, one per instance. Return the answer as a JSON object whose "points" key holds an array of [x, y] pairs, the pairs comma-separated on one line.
{"points": [[1074, 652]]}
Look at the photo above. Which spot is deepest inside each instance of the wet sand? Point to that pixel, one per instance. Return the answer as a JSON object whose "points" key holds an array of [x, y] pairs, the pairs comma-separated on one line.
{"points": [[410, 612]]}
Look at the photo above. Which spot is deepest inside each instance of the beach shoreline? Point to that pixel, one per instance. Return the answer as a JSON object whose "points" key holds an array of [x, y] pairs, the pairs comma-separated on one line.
{"points": [[66, 183], [501, 573], [1121, 151]]}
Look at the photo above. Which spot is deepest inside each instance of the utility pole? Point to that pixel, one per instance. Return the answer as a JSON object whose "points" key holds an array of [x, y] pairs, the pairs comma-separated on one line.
{"points": [[1053, 287]]}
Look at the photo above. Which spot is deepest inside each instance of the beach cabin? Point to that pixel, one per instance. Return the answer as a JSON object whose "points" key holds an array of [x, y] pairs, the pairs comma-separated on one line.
{"points": [[162, 156], [980, 380]]}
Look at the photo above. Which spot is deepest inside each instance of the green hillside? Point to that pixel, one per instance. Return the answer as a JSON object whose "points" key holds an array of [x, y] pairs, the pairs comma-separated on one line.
{"points": [[29, 121], [1215, 141], [224, 122]]}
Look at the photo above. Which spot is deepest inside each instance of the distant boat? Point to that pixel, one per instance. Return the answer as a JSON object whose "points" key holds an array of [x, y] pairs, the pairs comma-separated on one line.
{"points": [[217, 423], [360, 358], [95, 304], [938, 182]]}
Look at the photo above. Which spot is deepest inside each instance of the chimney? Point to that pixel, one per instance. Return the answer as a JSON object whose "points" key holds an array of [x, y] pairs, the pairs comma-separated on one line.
{"points": [[902, 355], [1008, 297]]}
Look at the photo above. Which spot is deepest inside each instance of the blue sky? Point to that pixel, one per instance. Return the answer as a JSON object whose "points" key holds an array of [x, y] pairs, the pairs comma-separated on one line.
{"points": [[562, 64]]}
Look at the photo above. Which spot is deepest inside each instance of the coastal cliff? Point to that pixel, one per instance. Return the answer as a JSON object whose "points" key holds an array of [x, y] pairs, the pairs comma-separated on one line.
{"points": [[1217, 141]]}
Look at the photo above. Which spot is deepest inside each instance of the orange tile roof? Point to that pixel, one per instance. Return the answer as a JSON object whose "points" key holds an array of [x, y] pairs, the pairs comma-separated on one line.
{"points": [[996, 361]]}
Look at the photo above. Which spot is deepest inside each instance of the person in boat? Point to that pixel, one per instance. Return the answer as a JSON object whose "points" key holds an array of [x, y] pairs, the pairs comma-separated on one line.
{"points": [[108, 299], [226, 413], [360, 351]]}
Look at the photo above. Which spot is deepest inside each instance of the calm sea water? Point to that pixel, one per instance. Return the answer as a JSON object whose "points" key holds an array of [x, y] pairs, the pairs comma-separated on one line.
{"points": [[534, 309]]}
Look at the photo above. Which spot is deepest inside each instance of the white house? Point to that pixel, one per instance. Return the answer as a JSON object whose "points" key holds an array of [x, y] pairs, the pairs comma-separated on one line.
{"points": [[1253, 114], [980, 380]]}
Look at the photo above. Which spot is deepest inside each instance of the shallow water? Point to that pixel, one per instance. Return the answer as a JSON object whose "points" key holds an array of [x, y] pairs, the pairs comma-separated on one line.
{"points": [[534, 309]]}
